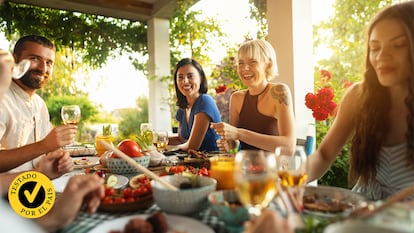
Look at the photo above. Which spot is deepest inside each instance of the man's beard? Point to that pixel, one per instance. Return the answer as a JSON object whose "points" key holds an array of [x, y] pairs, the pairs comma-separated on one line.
{"points": [[33, 83]]}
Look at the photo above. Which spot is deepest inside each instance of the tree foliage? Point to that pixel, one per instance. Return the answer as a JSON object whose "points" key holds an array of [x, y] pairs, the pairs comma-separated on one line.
{"points": [[132, 118], [345, 35], [192, 35], [94, 38]]}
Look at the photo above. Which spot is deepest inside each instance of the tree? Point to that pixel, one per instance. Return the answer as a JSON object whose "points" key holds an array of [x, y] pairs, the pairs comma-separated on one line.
{"points": [[131, 119], [94, 38], [190, 35]]}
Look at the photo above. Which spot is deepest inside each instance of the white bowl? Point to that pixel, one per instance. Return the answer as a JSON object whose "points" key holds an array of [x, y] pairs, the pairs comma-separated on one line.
{"points": [[183, 201], [120, 166]]}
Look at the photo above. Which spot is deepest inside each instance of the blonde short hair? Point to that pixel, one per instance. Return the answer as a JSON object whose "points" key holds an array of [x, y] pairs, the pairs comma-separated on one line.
{"points": [[262, 51]]}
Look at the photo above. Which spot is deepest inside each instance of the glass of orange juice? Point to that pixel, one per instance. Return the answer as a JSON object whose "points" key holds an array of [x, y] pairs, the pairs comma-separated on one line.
{"points": [[222, 169], [100, 149]]}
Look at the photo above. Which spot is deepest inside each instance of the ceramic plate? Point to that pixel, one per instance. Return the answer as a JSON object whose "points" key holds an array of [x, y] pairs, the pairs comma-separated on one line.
{"points": [[330, 201], [60, 183], [84, 162], [175, 223]]}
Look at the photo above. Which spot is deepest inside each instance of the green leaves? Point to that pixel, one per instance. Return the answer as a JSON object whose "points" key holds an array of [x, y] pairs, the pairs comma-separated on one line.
{"points": [[95, 38]]}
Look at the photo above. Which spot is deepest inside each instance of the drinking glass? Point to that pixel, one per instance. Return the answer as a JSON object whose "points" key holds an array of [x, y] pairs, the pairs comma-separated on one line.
{"points": [[71, 114], [255, 176], [21, 68], [292, 169], [161, 141]]}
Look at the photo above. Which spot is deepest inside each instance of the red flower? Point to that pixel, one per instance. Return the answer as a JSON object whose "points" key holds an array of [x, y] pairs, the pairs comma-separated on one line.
{"points": [[220, 89], [325, 94], [325, 75], [321, 103], [346, 83], [311, 100]]}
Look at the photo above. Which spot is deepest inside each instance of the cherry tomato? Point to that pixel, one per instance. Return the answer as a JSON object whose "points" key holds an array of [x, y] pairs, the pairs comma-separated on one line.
{"points": [[127, 192], [129, 199], [109, 191], [177, 169], [107, 200], [119, 200], [203, 172]]}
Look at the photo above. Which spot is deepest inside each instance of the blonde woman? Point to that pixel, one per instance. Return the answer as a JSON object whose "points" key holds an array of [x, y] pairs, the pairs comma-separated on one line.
{"points": [[261, 117]]}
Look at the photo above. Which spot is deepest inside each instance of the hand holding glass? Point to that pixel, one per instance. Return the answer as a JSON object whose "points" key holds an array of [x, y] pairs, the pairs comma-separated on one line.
{"points": [[71, 114], [255, 175]]}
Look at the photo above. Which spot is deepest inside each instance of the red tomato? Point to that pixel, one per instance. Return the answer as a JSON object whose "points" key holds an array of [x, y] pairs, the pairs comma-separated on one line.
{"points": [[119, 200], [107, 200], [177, 169], [129, 147], [128, 192], [109, 191]]}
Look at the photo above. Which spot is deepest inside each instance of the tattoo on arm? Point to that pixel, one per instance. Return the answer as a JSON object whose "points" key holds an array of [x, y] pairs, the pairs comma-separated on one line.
{"points": [[280, 94]]}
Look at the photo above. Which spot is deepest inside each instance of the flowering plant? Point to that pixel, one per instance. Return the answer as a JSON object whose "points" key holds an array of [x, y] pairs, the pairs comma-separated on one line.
{"points": [[322, 103]]}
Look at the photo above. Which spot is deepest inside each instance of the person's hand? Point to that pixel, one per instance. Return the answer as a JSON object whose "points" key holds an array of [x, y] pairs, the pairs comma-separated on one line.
{"points": [[228, 136], [82, 191], [268, 222], [225, 131], [55, 164], [60, 136]]}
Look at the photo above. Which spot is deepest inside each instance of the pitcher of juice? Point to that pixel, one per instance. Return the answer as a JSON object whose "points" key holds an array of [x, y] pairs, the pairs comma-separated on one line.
{"points": [[222, 169]]}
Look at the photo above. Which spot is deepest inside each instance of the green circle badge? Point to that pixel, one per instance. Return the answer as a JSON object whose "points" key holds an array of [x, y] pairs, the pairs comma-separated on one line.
{"points": [[31, 194]]}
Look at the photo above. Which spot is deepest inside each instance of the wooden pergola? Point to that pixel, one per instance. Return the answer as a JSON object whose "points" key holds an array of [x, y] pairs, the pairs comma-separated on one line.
{"points": [[290, 32]]}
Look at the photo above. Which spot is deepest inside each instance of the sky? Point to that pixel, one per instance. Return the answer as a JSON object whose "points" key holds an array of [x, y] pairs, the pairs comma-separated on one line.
{"points": [[120, 84]]}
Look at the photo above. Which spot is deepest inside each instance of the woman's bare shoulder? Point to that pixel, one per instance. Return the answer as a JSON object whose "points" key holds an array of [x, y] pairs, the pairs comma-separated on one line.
{"points": [[354, 91], [238, 94], [281, 93]]}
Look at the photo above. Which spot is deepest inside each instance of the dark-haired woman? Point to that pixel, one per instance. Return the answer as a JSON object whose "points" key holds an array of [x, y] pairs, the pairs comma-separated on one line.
{"points": [[196, 109]]}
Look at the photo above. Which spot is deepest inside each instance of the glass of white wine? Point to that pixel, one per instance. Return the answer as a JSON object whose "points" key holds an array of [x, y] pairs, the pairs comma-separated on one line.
{"points": [[255, 176], [161, 141], [292, 166], [71, 114]]}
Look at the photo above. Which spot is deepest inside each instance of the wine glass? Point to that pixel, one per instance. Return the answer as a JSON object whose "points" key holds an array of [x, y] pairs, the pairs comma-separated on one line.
{"points": [[21, 68], [255, 176], [292, 166], [71, 114], [161, 141]]}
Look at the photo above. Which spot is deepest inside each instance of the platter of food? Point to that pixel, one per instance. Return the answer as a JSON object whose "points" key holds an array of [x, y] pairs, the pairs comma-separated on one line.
{"points": [[329, 201], [84, 162], [132, 198]]}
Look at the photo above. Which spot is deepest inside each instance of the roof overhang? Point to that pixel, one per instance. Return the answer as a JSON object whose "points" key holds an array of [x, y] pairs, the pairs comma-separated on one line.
{"points": [[135, 10]]}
